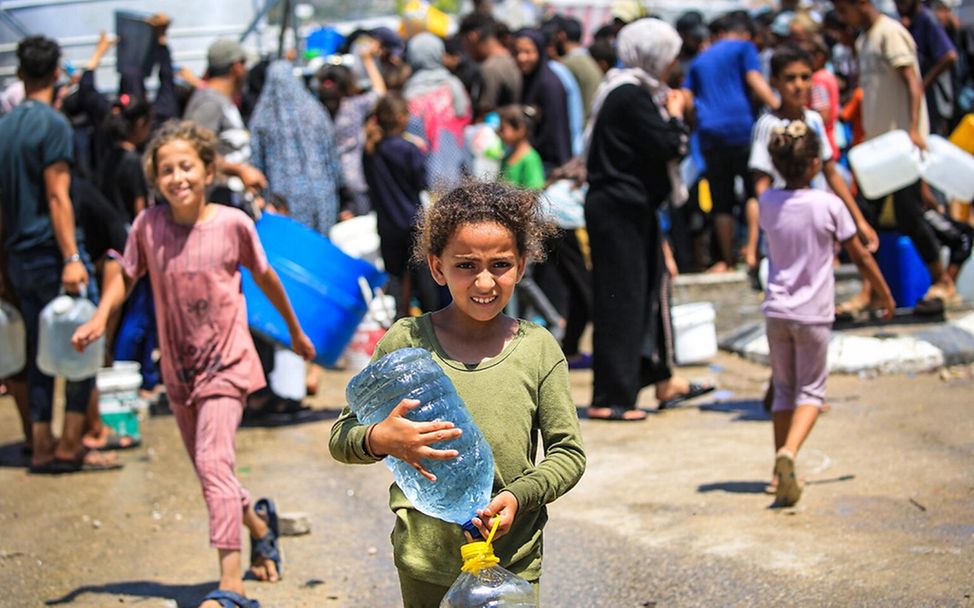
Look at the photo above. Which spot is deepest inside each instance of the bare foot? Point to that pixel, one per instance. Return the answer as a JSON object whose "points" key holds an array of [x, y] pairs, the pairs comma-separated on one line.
{"points": [[719, 268], [265, 570], [674, 387], [98, 441]]}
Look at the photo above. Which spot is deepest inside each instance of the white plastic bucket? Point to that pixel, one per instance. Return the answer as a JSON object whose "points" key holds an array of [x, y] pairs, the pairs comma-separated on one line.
{"points": [[885, 164], [695, 334], [122, 380], [359, 238], [288, 379]]}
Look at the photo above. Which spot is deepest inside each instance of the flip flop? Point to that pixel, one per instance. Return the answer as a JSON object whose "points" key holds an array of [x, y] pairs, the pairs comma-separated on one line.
{"points": [[617, 413], [77, 465], [268, 547], [695, 390], [117, 442], [229, 599]]}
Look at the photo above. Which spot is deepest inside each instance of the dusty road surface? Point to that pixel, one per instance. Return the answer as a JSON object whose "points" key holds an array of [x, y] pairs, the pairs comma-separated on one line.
{"points": [[669, 513]]}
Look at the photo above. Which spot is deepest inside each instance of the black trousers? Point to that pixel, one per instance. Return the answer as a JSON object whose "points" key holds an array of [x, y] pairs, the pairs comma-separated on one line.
{"points": [[567, 282], [632, 334], [908, 207], [724, 166]]}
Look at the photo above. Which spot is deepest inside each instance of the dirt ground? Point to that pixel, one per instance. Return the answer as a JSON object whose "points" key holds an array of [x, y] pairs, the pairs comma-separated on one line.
{"points": [[670, 511]]}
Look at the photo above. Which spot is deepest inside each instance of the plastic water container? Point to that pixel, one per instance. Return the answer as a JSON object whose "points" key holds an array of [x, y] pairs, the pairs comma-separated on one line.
{"points": [[13, 340], [118, 397], [486, 150], [321, 282], [359, 238], [362, 347], [963, 135], [288, 379], [885, 164], [58, 322], [463, 484], [694, 332], [484, 584], [903, 269], [965, 280], [949, 169]]}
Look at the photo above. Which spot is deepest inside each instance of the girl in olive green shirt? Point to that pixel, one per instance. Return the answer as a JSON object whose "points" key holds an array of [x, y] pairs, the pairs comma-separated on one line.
{"points": [[510, 373]]}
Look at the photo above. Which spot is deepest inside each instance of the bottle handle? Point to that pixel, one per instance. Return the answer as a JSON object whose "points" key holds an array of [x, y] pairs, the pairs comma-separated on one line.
{"points": [[82, 292]]}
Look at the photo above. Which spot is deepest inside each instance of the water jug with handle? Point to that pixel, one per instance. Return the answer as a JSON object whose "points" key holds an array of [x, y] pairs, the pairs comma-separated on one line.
{"points": [[13, 340], [59, 320], [948, 169], [885, 164], [463, 484], [484, 584]]}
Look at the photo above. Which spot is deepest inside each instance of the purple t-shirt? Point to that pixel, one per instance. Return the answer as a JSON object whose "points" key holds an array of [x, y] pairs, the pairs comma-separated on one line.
{"points": [[802, 227]]}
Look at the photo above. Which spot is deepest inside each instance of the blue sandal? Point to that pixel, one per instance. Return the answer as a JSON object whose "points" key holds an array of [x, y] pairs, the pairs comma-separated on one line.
{"points": [[229, 599], [267, 547]]}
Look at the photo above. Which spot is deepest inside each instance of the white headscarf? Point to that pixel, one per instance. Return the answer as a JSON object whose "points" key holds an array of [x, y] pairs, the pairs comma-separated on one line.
{"points": [[646, 48]]}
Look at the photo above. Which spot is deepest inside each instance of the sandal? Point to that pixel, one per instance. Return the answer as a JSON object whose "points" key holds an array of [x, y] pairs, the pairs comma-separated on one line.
{"points": [[58, 466], [114, 441], [229, 599], [949, 297], [852, 307], [695, 390], [617, 413], [267, 547], [789, 489]]}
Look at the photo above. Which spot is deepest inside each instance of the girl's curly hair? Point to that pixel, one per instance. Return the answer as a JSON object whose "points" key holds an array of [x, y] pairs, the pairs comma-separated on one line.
{"points": [[202, 139], [520, 211], [793, 149]]}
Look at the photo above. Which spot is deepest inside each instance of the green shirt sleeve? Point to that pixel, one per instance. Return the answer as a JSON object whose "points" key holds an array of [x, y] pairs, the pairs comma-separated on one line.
{"points": [[561, 437]]}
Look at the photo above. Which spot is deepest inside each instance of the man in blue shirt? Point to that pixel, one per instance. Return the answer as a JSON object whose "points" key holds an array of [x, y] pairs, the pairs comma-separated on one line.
{"points": [[43, 250], [721, 79], [937, 55]]}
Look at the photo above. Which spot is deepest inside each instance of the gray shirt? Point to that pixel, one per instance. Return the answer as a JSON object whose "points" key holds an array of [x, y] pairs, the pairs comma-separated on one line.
{"points": [[216, 112], [502, 83]]}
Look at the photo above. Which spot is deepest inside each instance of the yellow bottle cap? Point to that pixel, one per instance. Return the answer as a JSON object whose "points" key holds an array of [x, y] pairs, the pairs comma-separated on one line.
{"points": [[479, 555]]}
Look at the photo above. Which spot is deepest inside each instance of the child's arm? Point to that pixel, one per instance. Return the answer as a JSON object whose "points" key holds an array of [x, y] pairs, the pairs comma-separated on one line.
{"points": [[870, 271], [270, 284], [866, 233], [911, 78], [762, 181], [116, 287]]}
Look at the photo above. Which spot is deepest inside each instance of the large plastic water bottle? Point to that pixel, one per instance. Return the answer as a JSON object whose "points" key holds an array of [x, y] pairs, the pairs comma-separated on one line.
{"points": [[55, 355], [463, 484], [13, 340], [484, 584]]}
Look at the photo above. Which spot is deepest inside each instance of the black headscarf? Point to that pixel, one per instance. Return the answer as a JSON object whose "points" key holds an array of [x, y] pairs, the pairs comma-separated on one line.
{"points": [[543, 90]]}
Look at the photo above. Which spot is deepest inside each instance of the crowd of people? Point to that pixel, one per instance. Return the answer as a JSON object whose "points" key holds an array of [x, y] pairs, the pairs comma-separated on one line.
{"points": [[661, 149]]}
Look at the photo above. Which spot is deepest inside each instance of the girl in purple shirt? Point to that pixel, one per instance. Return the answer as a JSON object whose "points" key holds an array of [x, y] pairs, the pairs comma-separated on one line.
{"points": [[802, 225]]}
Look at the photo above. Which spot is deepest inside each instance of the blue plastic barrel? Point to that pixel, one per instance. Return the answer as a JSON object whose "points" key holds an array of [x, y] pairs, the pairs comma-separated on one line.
{"points": [[321, 281], [903, 269]]}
